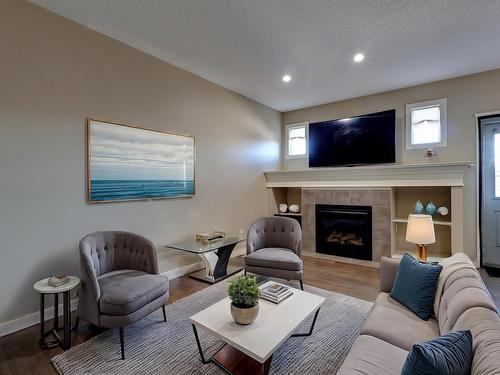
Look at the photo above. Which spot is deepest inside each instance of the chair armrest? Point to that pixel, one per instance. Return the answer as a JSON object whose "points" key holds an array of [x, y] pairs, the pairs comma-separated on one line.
{"points": [[388, 270]]}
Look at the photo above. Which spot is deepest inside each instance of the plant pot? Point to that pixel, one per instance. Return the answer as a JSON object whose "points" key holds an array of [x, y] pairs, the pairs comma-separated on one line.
{"points": [[244, 316]]}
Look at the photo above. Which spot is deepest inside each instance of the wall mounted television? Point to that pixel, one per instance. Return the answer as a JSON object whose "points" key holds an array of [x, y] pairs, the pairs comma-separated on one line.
{"points": [[360, 140]]}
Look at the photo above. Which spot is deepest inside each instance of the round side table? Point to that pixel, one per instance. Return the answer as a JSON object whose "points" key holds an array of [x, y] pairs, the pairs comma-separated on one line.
{"points": [[44, 288]]}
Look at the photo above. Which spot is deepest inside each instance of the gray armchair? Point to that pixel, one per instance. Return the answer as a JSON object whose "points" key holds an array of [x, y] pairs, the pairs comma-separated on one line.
{"points": [[273, 248], [120, 282]]}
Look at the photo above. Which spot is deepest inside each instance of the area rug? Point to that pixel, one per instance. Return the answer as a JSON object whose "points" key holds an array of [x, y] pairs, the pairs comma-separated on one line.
{"points": [[156, 347]]}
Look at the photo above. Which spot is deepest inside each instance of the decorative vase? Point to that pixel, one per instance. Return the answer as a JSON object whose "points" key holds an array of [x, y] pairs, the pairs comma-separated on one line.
{"points": [[295, 208], [283, 207], [431, 208], [419, 207], [244, 316], [443, 211]]}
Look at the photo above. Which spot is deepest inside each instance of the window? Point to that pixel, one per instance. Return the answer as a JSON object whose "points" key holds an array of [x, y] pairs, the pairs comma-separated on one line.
{"points": [[426, 124], [296, 140], [497, 164]]}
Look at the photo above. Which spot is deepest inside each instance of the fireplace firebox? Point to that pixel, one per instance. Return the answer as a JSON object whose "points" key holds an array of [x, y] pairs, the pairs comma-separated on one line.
{"points": [[344, 231]]}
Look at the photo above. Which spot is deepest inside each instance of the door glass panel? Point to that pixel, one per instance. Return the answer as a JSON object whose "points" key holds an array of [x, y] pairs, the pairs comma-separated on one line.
{"points": [[497, 164]]}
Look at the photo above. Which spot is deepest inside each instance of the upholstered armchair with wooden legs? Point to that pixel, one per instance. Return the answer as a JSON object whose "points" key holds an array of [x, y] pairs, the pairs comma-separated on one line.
{"points": [[120, 282], [273, 248]]}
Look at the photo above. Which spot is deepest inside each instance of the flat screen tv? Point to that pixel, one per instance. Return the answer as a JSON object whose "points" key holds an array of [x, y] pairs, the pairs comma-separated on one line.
{"points": [[361, 140]]}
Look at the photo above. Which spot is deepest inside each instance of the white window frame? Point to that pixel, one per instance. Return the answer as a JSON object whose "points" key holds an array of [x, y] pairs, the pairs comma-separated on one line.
{"points": [[442, 104], [287, 138]]}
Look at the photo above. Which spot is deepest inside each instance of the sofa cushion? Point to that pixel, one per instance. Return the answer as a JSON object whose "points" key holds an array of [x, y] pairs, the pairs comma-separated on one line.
{"points": [[371, 356], [125, 291], [415, 285], [274, 257], [392, 322], [450, 354]]}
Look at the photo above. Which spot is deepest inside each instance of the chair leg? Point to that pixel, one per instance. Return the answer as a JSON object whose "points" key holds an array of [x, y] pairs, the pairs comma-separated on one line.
{"points": [[77, 323], [301, 284], [164, 313], [122, 343], [245, 272]]}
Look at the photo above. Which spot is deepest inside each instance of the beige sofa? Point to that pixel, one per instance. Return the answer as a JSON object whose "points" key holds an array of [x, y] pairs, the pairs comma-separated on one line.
{"points": [[462, 302]]}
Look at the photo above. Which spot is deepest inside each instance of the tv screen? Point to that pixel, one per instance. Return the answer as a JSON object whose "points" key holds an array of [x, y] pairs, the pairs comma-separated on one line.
{"points": [[361, 140]]}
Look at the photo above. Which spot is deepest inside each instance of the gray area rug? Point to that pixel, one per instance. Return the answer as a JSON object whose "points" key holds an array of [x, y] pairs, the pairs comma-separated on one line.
{"points": [[156, 347]]}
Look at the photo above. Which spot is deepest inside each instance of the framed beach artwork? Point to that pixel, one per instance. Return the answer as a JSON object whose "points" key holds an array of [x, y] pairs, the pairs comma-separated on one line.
{"points": [[130, 163]]}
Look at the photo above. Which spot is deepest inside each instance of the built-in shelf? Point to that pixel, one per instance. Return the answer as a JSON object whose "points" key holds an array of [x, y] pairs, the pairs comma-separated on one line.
{"points": [[391, 175], [288, 214], [436, 222]]}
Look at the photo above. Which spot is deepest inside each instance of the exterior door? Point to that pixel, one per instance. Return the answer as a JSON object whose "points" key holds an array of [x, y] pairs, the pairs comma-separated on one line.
{"points": [[490, 190]]}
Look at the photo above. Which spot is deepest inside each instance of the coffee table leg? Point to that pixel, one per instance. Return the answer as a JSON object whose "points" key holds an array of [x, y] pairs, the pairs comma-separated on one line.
{"points": [[311, 329], [216, 265], [203, 360]]}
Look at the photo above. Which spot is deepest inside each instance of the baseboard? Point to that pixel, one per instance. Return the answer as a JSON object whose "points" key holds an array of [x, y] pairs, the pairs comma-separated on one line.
{"points": [[184, 270], [29, 320]]}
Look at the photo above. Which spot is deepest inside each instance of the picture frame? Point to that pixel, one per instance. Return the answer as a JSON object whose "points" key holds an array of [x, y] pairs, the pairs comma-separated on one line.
{"points": [[132, 163]]}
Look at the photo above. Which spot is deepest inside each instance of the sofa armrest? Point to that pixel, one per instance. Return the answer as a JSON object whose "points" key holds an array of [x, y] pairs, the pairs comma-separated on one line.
{"points": [[388, 270]]}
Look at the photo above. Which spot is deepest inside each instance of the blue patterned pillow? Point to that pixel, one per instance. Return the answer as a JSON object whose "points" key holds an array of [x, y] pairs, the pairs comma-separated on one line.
{"points": [[450, 354], [415, 285]]}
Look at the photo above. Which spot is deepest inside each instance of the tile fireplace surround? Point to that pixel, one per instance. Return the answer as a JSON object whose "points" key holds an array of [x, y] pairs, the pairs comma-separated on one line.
{"points": [[378, 199]]}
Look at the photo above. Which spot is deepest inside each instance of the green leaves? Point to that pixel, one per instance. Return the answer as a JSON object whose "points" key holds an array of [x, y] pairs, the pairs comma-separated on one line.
{"points": [[243, 291]]}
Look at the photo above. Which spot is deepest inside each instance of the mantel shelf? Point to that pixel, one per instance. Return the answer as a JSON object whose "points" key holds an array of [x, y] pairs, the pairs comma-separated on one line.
{"points": [[394, 175]]}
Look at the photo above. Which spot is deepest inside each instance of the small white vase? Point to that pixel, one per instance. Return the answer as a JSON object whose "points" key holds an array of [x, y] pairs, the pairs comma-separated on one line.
{"points": [[443, 211], [295, 208], [283, 207]]}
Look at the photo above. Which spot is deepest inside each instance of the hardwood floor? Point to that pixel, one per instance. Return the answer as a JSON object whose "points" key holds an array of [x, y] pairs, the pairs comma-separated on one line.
{"points": [[20, 354]]}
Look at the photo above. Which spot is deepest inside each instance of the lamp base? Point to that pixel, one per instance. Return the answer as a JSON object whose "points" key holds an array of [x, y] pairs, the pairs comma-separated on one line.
{"points": [[422, 252]]}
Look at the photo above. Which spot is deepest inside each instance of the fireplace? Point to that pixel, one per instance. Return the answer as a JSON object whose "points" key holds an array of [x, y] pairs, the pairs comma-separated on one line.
{"points": [[344, 231]]}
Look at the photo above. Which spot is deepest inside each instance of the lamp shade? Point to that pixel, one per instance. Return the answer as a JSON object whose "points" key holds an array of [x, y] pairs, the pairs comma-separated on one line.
{"points": [[420, 230]]}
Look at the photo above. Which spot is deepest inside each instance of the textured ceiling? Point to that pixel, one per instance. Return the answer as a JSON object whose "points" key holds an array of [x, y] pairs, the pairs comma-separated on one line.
{"points": [[247, 45]]}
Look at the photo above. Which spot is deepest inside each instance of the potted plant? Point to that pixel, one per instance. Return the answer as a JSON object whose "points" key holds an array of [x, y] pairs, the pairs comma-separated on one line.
{"points": [[244, 295]]}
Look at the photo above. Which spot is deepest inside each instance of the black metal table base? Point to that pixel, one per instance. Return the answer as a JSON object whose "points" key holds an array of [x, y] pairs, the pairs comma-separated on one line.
{"points": [[65, 341], [265, 366]]}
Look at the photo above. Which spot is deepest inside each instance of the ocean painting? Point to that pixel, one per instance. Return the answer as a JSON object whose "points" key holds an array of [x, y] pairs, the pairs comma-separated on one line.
{"points": [[130, 163]]}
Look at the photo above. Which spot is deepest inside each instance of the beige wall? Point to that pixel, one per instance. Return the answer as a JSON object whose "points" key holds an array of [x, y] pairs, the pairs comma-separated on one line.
{"points": [[466, 96], [54, 73]]}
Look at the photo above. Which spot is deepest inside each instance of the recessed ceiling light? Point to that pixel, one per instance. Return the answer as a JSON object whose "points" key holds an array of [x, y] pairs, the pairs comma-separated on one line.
{"points": [[359, 57], [286, 78]]}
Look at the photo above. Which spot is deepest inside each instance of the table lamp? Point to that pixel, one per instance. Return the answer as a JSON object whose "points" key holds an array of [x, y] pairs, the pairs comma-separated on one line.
{"points": [[420, 231]]}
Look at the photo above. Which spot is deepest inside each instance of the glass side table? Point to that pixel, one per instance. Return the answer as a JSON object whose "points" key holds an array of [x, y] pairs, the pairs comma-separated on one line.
{"points": [[215, 256], [44, 288]]}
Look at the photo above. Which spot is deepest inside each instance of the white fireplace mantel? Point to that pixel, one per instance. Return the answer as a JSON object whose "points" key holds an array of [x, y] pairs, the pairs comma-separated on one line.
{"points": [[395, 175]]}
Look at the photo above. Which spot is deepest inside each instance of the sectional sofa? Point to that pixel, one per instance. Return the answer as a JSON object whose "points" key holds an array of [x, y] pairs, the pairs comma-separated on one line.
{"points": [[462, 302]]}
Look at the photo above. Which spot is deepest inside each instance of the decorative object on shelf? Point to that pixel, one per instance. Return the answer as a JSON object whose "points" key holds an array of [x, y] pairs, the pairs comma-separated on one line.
{"points": [[295, 208], [57, 280], [283, 207], [275, 293], [430, 153], [431, 208], [420, 231], [210, 236], [141, 164], [244, 295], [419, 207], [443, 211]]}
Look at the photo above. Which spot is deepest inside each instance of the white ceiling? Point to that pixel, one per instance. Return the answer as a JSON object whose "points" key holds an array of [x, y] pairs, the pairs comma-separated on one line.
{"points": [[248, 45]]}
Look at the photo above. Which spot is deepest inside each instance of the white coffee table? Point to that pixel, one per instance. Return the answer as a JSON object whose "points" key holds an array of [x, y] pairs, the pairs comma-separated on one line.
{"points": [[250, 348]]}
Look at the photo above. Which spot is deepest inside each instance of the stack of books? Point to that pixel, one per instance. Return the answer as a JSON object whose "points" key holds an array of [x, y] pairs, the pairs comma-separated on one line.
{"points": [[275, 293]]}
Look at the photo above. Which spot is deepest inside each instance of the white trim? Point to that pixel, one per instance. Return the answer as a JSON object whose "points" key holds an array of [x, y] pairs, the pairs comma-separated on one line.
{"points": [[442, 104], [287, 129], [29, 320], [424, 174], [478, 162]]}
